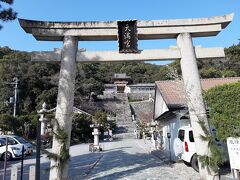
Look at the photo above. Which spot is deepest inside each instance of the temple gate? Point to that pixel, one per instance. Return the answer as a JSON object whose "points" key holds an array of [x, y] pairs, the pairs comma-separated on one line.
{"points": [[183, 30]]}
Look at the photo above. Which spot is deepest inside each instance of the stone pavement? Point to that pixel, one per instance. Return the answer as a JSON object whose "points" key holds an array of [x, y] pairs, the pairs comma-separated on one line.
{"points": [[81, 162], [129, 159]]}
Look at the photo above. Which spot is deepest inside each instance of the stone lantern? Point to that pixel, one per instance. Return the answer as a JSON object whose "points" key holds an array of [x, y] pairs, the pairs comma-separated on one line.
{"points": [[42, 118], [96, 134], [153, 133], [40, 125]]}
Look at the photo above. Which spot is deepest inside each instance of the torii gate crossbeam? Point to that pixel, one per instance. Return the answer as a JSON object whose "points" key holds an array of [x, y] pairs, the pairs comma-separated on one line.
{"points": [[107, 31], [172, 53]]}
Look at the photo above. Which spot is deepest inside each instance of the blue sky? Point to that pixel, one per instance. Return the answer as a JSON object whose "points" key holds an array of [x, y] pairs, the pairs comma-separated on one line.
{"points": [[103, 10]]}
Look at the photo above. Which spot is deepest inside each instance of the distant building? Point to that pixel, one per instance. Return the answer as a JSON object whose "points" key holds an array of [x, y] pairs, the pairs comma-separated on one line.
{"points": [[142, 88], [120, 82], [120, 85]]}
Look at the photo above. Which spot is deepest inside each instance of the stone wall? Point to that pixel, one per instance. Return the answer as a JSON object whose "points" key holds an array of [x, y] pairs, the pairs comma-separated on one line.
{"points": [[140, 96], [139, 102]]}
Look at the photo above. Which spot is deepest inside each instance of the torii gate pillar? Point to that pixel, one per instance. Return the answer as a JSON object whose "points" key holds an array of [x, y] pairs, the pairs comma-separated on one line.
{"points": [[194, 97], [65, 101]]}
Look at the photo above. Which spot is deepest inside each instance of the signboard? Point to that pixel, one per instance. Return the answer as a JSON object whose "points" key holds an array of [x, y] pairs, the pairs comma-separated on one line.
{"points": [[233, 145], [127, 36]]}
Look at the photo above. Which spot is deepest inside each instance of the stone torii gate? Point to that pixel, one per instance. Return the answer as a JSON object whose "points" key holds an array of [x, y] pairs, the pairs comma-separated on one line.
{"points": [[183, 30]]}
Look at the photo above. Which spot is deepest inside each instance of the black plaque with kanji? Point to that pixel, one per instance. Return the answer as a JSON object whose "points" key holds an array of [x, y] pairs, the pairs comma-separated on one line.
{"points": [[127, 36]]}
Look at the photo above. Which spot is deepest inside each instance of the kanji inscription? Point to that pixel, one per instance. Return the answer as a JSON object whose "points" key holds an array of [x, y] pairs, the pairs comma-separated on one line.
{"points": [[127, 36]]}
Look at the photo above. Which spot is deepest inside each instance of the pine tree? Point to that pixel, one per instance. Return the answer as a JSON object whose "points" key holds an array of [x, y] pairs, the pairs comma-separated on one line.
{"points": [[7, 14]]}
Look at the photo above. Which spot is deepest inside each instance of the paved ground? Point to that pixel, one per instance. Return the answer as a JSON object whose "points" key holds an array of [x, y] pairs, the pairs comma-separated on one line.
{"points": [[125, 159], [128, 159]]}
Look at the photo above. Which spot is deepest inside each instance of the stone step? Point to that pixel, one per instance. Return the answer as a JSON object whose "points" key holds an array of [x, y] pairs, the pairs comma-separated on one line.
{"points": [[124, 136], [124, 123], [124, 130], [123, 119], [124, 114], [126, 111], [126, 127], [122, 111]]}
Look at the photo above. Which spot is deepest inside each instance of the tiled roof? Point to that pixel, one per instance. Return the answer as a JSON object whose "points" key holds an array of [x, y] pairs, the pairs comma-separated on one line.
{"points": [[173, 92]]}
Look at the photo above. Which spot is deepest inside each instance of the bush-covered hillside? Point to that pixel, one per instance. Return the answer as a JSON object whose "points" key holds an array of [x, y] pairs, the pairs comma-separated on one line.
{"points": [[38, 81]]}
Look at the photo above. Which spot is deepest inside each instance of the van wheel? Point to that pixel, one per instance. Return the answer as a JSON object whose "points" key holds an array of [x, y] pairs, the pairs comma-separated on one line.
{"points": [[9, 156], [194, 163]]}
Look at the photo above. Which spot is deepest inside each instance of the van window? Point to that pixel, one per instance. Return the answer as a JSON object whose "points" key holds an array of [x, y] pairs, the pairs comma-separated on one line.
{"points": [[181, 134], [191, 138]]}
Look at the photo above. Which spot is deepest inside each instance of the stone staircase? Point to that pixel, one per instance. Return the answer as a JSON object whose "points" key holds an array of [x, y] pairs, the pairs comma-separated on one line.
{"points": [[125, 126]]}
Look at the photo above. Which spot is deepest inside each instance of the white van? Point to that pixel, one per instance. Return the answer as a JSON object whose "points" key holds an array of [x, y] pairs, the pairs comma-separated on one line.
{"points": [[184, 146], [188, 154]]}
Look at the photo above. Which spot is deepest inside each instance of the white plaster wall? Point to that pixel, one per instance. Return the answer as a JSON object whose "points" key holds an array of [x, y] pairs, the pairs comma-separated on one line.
{"points": [[160, 105]]}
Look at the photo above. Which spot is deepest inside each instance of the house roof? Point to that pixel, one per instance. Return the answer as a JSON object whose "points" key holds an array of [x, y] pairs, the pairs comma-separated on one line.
{"points": [[75, 110], [173, 93]]}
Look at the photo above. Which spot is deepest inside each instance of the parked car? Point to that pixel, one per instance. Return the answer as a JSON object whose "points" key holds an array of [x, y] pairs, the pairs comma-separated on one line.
{"points": [[14, 150], [188, 155], [188, 149], [14, 140]]}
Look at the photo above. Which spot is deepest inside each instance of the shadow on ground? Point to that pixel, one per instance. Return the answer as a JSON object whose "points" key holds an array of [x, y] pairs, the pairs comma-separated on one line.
{"points": [[118, 160]]}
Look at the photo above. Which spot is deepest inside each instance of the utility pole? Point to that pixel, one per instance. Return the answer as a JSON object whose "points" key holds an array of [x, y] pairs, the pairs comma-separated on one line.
{"points": [[13, 100], [15, 95]]}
